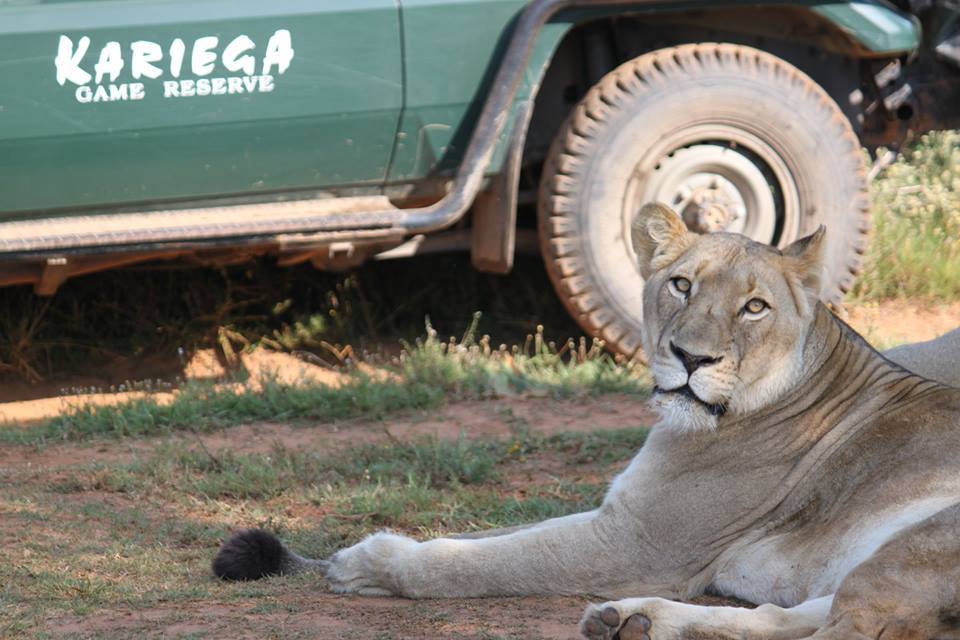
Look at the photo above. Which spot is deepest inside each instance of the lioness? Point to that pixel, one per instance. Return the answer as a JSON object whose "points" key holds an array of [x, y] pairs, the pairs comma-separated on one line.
{"points": [[937, 359], [794, 467]]}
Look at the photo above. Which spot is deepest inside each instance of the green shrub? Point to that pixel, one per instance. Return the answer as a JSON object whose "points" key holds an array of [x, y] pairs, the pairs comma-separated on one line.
{"points": [[915, 249]]}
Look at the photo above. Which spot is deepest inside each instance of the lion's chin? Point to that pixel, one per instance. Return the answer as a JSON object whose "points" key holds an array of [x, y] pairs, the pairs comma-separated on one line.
{"points": [[683, 413]]}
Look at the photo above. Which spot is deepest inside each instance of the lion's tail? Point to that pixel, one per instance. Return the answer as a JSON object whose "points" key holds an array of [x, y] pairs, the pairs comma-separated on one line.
{"points": [[252, 554]]}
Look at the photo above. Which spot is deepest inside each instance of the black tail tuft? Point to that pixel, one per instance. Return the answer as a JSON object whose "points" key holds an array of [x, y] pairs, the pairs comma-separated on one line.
{"points": [[250, 554]]}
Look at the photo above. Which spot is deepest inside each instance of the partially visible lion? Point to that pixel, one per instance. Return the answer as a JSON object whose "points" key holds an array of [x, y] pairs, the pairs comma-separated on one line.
{"points": [[794, 467], [937, 359]]}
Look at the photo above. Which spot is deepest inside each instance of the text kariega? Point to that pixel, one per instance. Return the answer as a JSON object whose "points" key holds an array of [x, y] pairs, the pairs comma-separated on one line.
{"points": [[236, 67]]}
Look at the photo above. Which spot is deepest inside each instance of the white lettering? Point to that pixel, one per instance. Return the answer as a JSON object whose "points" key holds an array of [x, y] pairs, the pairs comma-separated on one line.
{"points": [[119, 92], [110, 92], [232, 59], [68, 61], [187, 88], [147, 61], [279, 52], [110, 62], [203, 58], [142, 54], [177, 51]]}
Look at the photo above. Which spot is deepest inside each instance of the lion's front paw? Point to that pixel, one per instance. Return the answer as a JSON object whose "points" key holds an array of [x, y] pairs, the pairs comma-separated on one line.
{"points": [[605, 622], [371, 567]]}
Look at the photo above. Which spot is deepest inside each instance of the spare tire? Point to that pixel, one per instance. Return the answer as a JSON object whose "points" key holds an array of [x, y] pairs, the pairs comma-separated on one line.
{"points": [[732, 138]]}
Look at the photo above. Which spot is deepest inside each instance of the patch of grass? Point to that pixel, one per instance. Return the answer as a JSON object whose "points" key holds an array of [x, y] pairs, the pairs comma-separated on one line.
{"points": [[915, 249], [139, 534], [431, 512], [204, 407], [420, 467], [474, 368], [424, 376], [604, 447], [428, 463]]}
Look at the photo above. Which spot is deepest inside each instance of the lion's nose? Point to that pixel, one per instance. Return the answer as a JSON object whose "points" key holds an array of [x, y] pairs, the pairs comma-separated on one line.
{"points": [[693, 362]]}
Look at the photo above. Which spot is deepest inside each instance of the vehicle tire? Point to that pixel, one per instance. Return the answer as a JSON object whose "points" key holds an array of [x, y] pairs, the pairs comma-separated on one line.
{"points": [[731, 137]]}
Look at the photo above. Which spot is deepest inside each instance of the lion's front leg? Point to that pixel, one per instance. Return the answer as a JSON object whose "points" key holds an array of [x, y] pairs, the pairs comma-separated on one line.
{"points": [[660, 619], [574, 554], [372, 567]]}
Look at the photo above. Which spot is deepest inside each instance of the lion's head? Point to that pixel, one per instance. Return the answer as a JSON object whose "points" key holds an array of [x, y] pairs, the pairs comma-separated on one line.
{"points": [[725, 318]]}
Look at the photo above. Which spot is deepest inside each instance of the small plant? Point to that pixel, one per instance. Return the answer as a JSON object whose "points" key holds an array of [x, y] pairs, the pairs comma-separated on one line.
{"points": [[473, 367], [915, 249]]}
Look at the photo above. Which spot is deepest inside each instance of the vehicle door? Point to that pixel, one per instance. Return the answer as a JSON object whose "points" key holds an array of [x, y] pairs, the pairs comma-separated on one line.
{"points": [[109, 103]]}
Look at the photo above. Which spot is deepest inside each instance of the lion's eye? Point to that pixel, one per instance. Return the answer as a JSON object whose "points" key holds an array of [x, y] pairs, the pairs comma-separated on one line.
{"points": [[755, 306], [680, 286]]}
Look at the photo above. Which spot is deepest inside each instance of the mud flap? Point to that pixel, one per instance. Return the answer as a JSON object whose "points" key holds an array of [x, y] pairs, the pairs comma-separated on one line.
{"points": [[493, 237]]}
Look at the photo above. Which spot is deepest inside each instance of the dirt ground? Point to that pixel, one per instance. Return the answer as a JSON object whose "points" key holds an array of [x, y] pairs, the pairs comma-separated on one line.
{"points": [[890, 323], [313, 613], [303, 608], [478, 418]]}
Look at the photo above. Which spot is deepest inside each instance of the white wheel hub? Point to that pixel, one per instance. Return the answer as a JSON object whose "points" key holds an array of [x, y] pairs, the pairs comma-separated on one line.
{"points": [[715, 188]]}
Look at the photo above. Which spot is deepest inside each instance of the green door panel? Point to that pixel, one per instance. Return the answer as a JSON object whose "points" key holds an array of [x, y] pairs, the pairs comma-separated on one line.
{"points": [[290, 94], [452, 47]]}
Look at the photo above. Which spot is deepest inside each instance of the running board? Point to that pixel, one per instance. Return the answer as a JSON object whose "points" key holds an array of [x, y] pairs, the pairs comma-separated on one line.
{"points": [[288, 223]]}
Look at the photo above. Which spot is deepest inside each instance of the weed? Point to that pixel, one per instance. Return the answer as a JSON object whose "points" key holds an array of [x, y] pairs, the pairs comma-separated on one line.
{"points": [[915, 250]]}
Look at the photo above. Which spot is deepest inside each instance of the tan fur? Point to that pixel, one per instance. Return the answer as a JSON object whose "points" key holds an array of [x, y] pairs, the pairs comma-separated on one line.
{"points": [[815, 477], [937, 359]]}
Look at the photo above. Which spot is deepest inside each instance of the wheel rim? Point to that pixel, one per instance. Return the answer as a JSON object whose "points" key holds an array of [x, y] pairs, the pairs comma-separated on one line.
{"points": [[716, 188], [718, 178]]}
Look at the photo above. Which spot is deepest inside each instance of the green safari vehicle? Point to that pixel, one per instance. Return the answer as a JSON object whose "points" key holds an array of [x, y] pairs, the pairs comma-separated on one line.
{"points": [[337, 131]]}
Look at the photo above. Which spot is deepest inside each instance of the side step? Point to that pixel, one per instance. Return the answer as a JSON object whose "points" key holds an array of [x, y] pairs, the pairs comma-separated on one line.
{"points": [[333, 233], [308, 220]]}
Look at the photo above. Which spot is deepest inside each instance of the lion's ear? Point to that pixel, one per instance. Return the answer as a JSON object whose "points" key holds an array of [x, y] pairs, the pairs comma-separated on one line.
{"points": [[805, 260], [659, 237]]}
